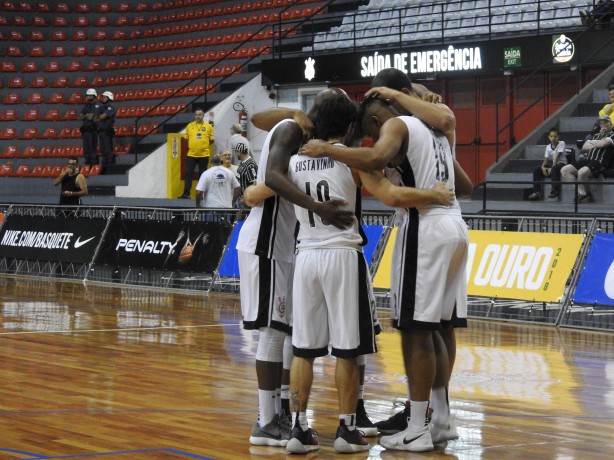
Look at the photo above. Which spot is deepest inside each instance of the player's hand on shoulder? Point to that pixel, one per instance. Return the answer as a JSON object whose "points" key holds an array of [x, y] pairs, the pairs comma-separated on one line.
{"points": [[444, 195], [332, 212], [315, 148]]}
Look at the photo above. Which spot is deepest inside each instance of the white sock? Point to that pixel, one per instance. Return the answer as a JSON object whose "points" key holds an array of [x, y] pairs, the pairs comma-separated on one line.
{"points": [[301, 419], [349, 420], [439, 403], [417, 411], [266, 407], [278, 401]]}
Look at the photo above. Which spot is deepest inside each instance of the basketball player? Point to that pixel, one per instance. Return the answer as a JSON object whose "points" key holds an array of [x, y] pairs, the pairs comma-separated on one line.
{"points": [[432, 241], [394, 85], [266, 253]]}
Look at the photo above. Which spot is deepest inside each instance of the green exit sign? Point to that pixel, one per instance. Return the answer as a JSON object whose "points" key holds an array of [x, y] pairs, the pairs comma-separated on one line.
{"points": [[511, 57]]}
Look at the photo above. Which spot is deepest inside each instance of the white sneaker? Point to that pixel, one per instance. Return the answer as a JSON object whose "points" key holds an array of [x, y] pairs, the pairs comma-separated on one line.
{"points": [[414, 441], [446, 431]]}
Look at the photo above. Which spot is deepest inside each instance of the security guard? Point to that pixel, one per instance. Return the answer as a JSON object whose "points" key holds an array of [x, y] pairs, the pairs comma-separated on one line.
{"points": [[106, 120], [89, 131]]}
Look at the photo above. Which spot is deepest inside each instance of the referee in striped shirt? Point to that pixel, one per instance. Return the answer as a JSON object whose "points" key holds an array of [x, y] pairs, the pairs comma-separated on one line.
{"points": [[247, 171]]}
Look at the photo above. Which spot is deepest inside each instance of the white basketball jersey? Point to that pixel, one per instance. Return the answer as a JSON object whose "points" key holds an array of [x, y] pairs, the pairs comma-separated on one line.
{"points": [[428, 161], [325, 179], [268, 231]]}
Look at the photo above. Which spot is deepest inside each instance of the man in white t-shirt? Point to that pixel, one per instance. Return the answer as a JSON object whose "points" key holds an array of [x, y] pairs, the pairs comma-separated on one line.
{"points": [[554, 160], [218, 186]]}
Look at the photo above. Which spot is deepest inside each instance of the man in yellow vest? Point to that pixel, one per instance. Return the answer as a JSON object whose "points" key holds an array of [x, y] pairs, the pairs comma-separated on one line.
{"points": [[200, 137]]}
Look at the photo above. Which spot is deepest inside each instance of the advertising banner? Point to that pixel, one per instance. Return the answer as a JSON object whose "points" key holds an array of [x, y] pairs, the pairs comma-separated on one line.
{"points": [[172, 246], [512, 265], [521, 265], [174, 165], [596, 283], [55, 239]]}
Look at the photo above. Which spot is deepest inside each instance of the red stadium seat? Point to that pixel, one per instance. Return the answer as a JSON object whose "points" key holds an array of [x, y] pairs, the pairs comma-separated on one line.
{"points": [[30, 151], [79, 35], [95, 170], [59, 21], [15, 35], [50, 133], [8, 133], [36, 36], [119, 34], [94, 65], [38, 82], [22, 170], [42, 7], [12, 98], [29, 67], [6, 170], [101, 21], [56, 170], [58, 51], [37, 171], [36, 51], [100, 35], [80, 50], [13, 51], [80, 82], [16, 82], [98, 80], [56, 98], [71, 114], [39, 21], [31, 115], [60, 82], [19, 21], [85, 170], [82, 8], [46, 151], [103, 8], [76, 98], [7, 67], [122, 8], [34, 98], [8, 115], [53, 66], [74, 66], [58, 151], [25, 6], [100, 50], [52, 115], [10, 151], [81, 21], [29, 133], [75, 133], [62, 8], [58, 35]]}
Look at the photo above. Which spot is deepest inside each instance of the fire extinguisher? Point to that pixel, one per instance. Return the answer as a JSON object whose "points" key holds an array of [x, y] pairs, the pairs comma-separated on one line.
{"points": [[237, 106]]}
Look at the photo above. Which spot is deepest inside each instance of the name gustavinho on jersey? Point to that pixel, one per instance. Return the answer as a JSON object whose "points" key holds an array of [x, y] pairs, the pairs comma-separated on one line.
{"points": [[314, 164]]}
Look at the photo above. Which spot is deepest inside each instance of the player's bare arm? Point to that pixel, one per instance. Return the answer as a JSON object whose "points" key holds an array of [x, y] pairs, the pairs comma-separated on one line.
{"points": [[433, 114], [393, 135], [268, 118], [285, 143], [462, 184], [405, 197], [257, 193]]}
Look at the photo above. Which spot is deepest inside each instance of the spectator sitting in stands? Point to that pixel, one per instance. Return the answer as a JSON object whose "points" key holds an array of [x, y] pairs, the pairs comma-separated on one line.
{"points": [[600, 150], [554, 160], [600, 15], [608, 109]]}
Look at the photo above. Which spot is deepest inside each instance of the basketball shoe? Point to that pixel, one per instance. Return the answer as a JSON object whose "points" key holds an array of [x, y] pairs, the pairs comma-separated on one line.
{"points": [[446, 431], [348, 442], [301, 441], [363, 423], [408, 439], [271, 434], [399, 421]]}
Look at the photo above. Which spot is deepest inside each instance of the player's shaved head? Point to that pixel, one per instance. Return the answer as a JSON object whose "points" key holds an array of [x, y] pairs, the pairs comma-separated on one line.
{"points": [[392, 78]]}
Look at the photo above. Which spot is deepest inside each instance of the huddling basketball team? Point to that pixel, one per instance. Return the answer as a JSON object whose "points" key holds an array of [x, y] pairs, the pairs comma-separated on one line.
{"points": [[308, 291]]}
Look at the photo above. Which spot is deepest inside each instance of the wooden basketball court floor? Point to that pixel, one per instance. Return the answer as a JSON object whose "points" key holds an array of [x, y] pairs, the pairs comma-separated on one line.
{"points": [[91, 371]]}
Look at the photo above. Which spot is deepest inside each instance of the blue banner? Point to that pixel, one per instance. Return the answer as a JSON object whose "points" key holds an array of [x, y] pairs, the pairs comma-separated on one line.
{"points": [[596, 284]]}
